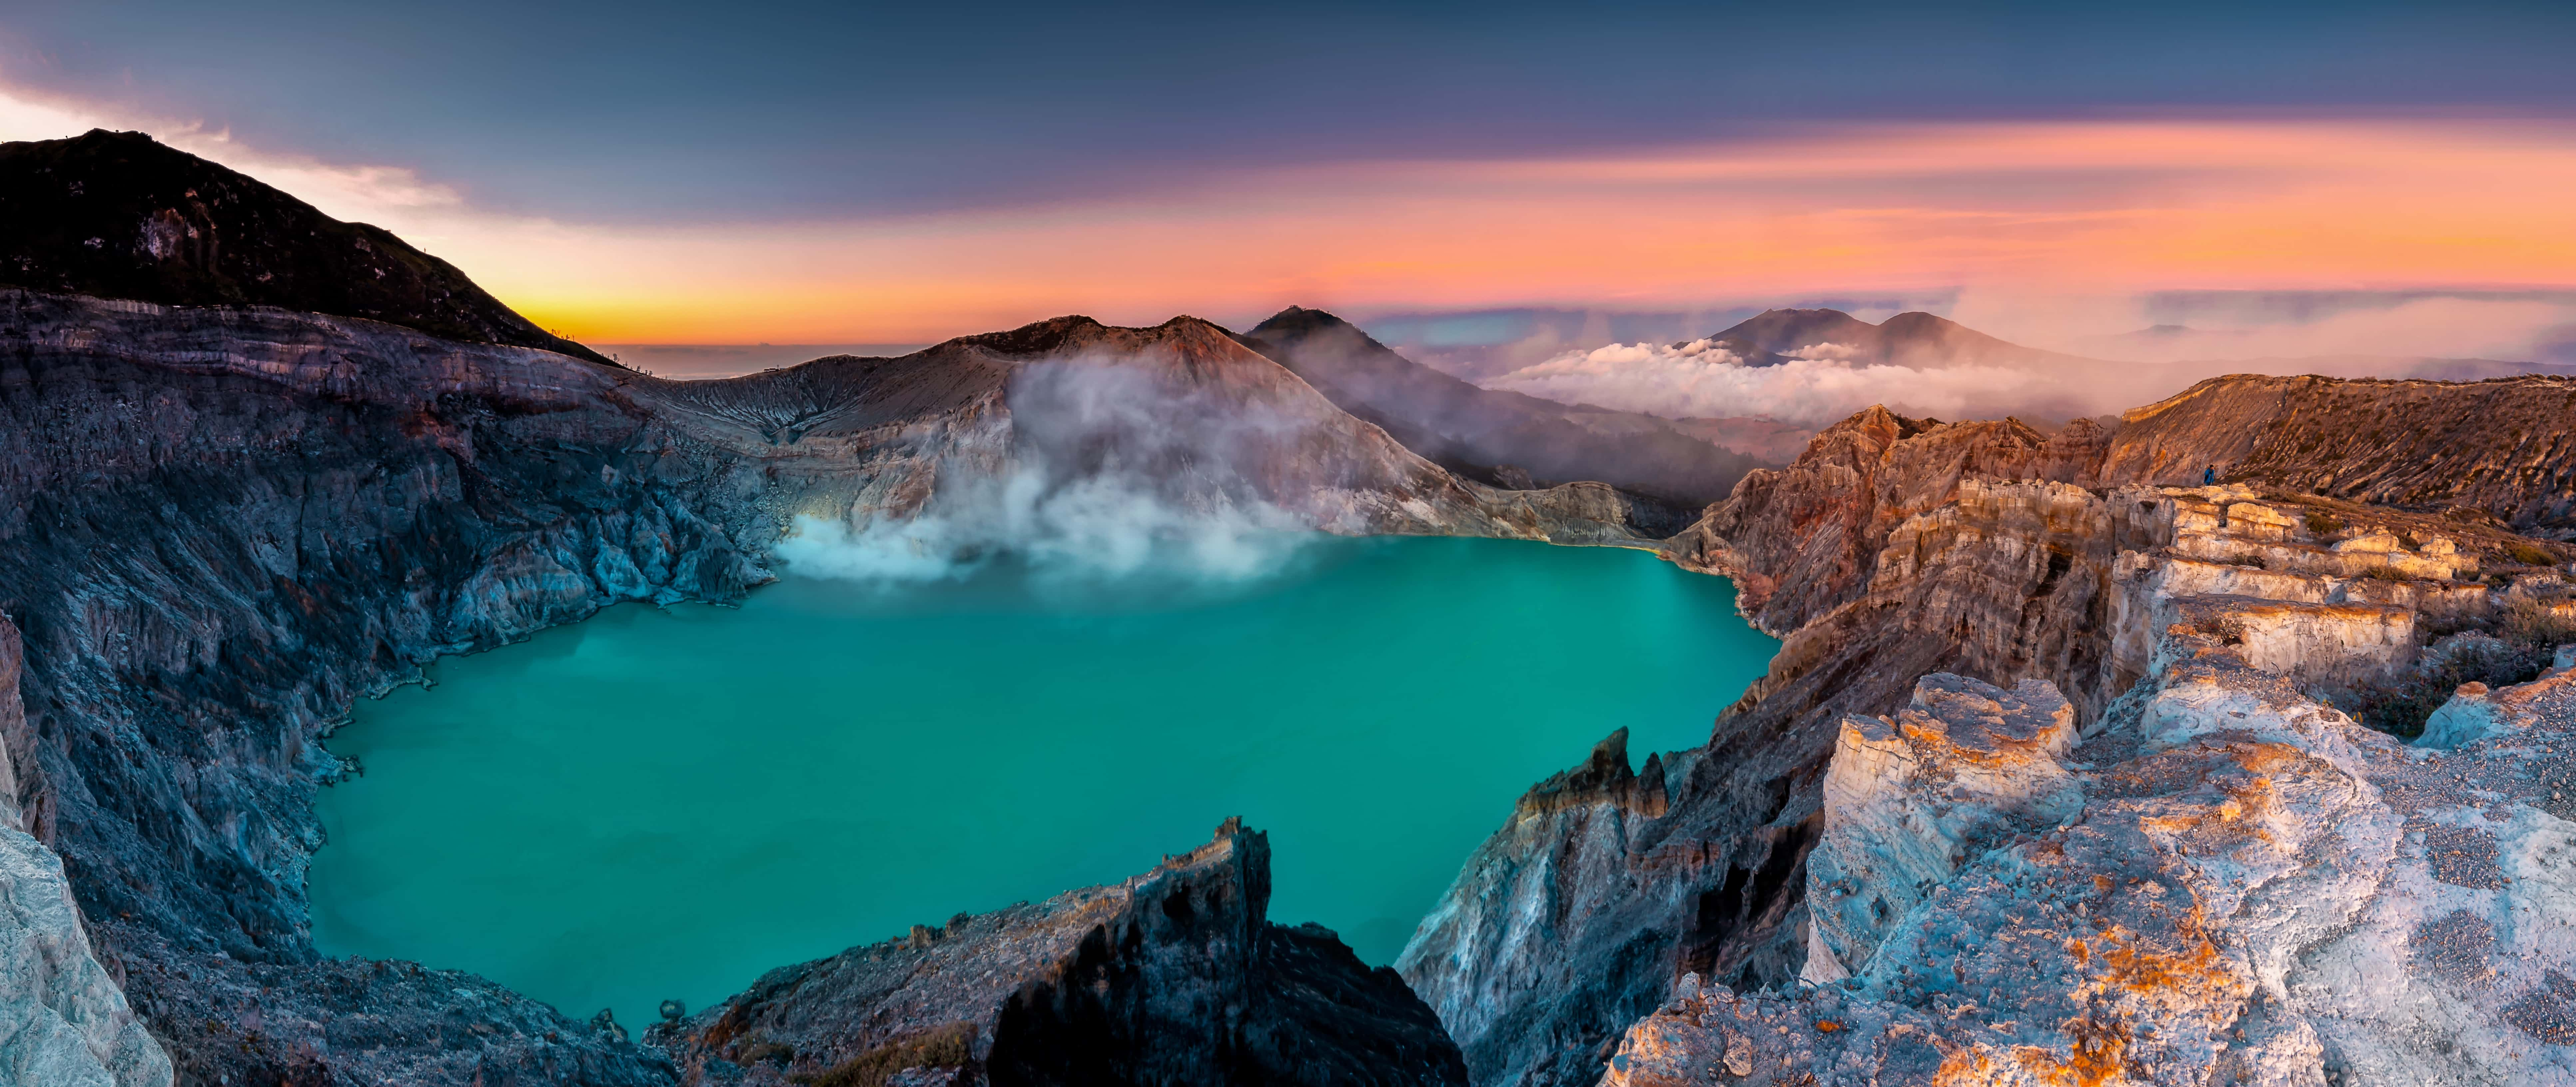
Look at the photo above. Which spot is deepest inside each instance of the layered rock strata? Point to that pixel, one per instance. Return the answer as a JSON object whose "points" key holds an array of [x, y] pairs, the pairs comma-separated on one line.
{"points": [[1886, 552], [1171, 977]]}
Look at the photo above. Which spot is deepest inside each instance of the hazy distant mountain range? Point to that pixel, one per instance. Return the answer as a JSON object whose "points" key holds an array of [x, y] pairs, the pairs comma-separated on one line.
{"points": [[1923, 341], [1501, 438], [1809, 367]]}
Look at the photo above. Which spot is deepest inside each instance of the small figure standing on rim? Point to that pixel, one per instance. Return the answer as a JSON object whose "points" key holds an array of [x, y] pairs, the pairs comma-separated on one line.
{"points": [[2209, 476]]}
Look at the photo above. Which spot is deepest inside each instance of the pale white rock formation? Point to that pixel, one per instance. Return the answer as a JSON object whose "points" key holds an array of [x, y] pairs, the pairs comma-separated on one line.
{"points": [[2320, 640], [2234, 525], [2476, 713], [63, 1020], [2229, 822], [2255, 520], [2295, 604], [2255, 890], [1910, 798]]}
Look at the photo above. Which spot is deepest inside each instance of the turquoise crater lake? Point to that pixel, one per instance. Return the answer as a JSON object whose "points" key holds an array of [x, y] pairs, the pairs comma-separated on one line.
{"points": [[666, 803]]}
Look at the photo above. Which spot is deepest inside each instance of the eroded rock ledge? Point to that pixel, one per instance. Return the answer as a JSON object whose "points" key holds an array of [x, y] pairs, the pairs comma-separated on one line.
{"points": [[1174, 976], [2252, 889]]}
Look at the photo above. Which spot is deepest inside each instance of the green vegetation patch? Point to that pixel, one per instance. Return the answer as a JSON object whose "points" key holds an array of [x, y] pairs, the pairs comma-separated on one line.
{"points": [[950, 1046], [2522, 643], [2529, 554]]}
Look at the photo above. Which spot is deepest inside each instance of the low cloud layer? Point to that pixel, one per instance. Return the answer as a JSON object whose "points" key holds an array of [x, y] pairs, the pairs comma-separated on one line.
{"points": [[2190, 326], [1699, 380], [1816, 388]]}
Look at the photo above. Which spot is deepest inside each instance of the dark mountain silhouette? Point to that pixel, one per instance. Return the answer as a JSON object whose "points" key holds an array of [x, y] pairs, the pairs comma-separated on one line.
{"points": [[1917, 340], [120, 215], [1500, 438]]}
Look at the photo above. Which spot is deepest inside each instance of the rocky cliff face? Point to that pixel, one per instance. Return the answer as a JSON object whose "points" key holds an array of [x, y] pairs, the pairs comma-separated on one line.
{"points": [[1886, 552], [1896, 549], [1171, 977], [67, 1021], [223, 525]]}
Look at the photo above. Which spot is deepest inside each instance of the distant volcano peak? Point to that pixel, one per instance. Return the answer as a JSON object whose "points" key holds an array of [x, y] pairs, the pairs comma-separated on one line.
{"points": [[1912, 339]]}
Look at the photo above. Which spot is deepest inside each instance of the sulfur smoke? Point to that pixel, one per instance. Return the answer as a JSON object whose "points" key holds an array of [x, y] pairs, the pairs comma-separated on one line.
{"points": [[1114, 471]]}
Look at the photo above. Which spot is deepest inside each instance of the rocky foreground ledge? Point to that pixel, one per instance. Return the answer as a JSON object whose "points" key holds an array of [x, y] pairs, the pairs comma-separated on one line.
{"points": [[2226, 882], [1847, 801], [1174, 976]]}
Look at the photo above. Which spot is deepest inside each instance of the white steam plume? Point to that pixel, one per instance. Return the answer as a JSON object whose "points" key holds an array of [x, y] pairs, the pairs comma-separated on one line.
{"points": [[1116, 471]]}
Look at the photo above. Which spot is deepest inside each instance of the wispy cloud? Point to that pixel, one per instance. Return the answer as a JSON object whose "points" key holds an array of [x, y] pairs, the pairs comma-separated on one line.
{"points": [[361, 192]]}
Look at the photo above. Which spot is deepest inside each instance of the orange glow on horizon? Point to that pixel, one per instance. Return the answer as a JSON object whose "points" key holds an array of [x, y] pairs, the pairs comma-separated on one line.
{"points": [[2097, 209], [2100, 206]]}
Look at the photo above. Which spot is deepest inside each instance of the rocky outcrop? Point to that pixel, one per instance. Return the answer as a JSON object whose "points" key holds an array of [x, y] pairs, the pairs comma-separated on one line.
{"points": [[1887, 552], [2476, 713], [1171, 977], [66, 1022], [2254, 890], [1528, 913], [119, 215], [1908, 798], [63, 1020], [1501, 438], [1803, 540], [2504, 447], [1897, 548]]}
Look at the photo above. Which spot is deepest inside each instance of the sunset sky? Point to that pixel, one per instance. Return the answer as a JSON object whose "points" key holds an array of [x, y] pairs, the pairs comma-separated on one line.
{"points": [[829, 173]]}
